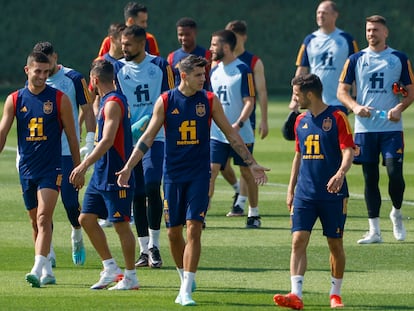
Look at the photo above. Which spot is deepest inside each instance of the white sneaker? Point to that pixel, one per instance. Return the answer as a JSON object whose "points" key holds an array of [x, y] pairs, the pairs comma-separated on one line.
{"points": [[370, 238], [108, 277], [187, 300], [126, 284], [104, 223], [398, 226], [47, 279]]}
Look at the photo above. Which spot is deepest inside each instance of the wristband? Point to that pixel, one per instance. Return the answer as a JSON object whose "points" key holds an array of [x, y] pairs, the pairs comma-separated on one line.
{"points": [[142, 147]]}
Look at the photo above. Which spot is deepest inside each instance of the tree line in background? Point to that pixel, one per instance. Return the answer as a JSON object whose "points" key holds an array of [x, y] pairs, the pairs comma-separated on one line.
{"points": [[276, 29]]}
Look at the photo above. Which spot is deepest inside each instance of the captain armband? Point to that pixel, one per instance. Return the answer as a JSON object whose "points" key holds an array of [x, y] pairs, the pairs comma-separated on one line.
{"points": [[143, 147]]}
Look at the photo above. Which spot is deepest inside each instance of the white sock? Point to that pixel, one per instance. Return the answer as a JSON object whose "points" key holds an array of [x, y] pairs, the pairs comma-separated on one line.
{"points": [[187, 283], [130, 274], [181, 274], [154, 238], [253, 212], [51, 252], [40, 261], [47, 268], [143, 244], [76, 234], [297, 284], [236, 187], [241, 201], [109, 264], [336, 285], [374, 225]]}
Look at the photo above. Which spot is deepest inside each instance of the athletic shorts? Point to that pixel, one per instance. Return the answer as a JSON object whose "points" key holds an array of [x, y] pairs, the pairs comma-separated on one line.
{"points": [[220, 152], [370, 145], [112, 205], [69, 194], [185, 201], [332, 215], [149, 170], [31, 186]]}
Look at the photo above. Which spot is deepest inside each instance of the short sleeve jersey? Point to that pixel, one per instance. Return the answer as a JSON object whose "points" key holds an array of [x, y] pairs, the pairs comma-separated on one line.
{"points": [[175, 57], [143, 83], [231, 83], [325, 55], [187, 135], [74, 85], [320, 141], [374, 74], [39, 130], [115, 158]]}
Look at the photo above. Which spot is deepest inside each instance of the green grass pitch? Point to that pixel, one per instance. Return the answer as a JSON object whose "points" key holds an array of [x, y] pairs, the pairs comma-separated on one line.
{"points": [[239, 269]]}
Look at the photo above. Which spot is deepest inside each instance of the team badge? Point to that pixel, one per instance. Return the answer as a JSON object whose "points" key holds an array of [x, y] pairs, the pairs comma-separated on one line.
{"points": [[327, 124], [200, 110], [151, 73], [48, 107]]}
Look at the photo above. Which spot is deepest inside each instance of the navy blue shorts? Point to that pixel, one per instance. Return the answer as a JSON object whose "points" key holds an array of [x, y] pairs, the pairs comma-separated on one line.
{"points": [[370, 145], [31, 186], [220, 152], [112, 205], [69, 194], [185, 201], [332, 215]]}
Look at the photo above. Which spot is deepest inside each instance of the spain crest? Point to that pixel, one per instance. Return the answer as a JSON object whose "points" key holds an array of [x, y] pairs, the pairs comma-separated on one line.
{"points": [[48, 107], [327, 124], [200, 110]]}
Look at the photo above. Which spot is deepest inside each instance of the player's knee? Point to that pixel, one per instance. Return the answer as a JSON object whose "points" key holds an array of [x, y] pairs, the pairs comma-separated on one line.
{"points": [[394, 170]]}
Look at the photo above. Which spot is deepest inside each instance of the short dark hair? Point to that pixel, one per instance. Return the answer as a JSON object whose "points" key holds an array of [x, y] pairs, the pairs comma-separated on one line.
{"points": [[135, 31], [308, 83], [132, 9], [376, 19], [187, 64], [103, 69], [115, 30], [44, 47], [237, 26], [186, 22], [226, 36], [38, 57]]}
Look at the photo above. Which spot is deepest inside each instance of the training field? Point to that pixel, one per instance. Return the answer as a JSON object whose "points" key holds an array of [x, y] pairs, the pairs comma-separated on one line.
{"points": [[240, 269]]}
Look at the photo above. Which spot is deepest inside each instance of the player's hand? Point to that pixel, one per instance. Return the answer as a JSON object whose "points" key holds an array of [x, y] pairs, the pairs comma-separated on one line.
{"points": [[89, 145], [394, 114], [263, 129], [289, 200], [259, 174], [77, 176], [294, 105], [123, 177], [362, 111], [335, 183]]}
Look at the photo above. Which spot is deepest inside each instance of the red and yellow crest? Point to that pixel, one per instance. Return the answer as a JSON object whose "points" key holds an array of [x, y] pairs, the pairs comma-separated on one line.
{"points": [[48, 107], [200, 110], [327, 124]]}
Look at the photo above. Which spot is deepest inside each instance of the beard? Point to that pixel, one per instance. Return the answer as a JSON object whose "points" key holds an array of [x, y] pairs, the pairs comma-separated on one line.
{"points": [[218, 55], [129, 57]]}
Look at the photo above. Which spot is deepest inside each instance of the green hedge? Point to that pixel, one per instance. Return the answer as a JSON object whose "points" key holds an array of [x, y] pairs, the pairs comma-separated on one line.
{"points": [[276, 29]]}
